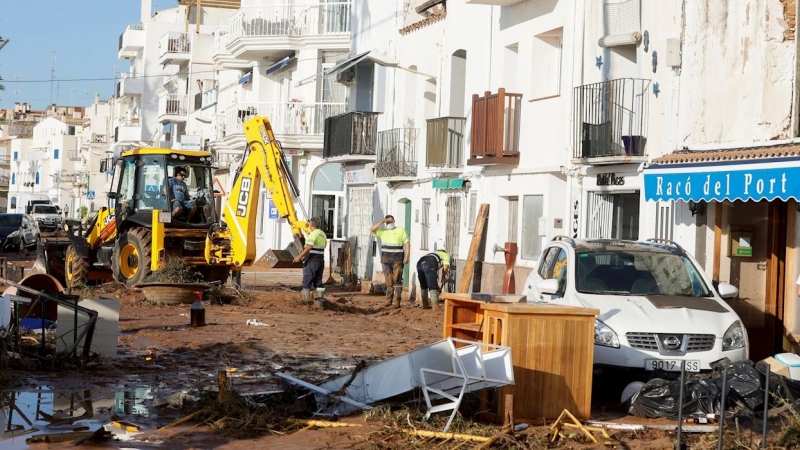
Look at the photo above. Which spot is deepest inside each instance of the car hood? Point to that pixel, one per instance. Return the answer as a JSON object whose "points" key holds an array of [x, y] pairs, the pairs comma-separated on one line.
{"points": [[5, 231], [48, 216], [661, 313]]}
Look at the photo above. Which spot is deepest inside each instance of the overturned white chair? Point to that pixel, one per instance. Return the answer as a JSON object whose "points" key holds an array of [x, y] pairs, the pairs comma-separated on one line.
{"points": [[475, 366]]}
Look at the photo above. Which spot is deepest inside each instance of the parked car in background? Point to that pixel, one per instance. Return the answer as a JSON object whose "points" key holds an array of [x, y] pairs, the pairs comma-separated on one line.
{"points": [[18, 231], [657, 308], [46, 216]]}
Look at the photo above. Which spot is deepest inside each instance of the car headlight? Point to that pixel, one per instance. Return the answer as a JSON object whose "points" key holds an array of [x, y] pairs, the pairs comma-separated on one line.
{"points": [[734, 337], [604, 335]]}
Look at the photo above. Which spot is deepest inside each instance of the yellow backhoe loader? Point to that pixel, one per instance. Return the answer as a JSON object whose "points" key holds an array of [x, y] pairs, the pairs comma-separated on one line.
{"points": [[143, 226]]}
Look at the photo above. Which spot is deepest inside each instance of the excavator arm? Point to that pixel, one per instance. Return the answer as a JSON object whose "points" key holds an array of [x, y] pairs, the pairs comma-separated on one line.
{"points": [[234, 242]]}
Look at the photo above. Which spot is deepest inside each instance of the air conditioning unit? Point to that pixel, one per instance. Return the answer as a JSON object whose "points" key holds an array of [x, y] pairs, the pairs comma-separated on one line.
{"points": [[346, 76]]}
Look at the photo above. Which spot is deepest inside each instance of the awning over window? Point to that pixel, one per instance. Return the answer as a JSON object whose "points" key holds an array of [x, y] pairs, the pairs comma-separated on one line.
{"points": [[280, 64], [449, 183], [246, 77], [348, 63], [727, 179]]}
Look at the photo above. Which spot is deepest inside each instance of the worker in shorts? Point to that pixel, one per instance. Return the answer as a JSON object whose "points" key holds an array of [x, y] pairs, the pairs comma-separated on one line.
{"points": [[428, 268]]}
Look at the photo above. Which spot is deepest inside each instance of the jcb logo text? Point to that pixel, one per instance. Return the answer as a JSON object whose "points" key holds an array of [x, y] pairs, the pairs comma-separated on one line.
{"points": [[244, 197]]}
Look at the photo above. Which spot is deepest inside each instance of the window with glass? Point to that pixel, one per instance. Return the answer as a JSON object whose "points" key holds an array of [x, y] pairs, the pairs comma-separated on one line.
{"points": [[627, 272], [327, 200], [426, 223], [532, 211]]}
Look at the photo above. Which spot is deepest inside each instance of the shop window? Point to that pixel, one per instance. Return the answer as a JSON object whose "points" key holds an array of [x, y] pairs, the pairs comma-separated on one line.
{"points": [[613, 216], [532, 212]]}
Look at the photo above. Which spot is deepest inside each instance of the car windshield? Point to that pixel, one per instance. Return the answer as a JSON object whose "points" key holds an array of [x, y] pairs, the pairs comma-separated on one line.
{"points": [[639, 273], [10, 220], [43, 209]]}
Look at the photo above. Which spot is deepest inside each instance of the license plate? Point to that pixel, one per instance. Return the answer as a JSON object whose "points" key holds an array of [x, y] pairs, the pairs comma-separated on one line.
{"points": [[671, 365]]}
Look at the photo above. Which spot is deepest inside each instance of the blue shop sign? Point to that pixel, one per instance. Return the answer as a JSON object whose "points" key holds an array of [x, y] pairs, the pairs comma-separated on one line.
{"points": [[777, 179]]}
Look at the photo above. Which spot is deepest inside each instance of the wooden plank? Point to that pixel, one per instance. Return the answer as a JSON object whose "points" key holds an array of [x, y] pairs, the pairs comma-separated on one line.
{"points": [[789, 309], [477, 235], [517, 308]]}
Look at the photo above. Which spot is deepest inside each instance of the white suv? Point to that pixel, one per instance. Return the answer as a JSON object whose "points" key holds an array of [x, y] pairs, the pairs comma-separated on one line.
{"points": [[657, 308]]}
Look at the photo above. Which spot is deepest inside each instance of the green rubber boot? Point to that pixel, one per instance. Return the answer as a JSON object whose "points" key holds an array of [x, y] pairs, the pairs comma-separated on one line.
{"points": [[306, 295], [426, 303], [435, 299]]}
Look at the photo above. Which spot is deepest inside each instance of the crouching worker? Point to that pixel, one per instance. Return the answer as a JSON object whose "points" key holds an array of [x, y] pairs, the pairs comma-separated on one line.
{"points": [[428, 272], [313, 257]]}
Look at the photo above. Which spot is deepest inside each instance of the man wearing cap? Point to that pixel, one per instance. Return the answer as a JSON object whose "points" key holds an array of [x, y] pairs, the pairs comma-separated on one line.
{"points": [[180, 194], [314, 266], [395, 250], [428, 273]]}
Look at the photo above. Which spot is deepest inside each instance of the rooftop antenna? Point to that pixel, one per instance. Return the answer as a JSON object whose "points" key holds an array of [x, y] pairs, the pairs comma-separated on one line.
{"points": [[52, 74]]}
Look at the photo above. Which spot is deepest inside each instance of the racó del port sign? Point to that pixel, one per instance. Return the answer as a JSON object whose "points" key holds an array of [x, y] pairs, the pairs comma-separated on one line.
{"points": [[724, 181]]}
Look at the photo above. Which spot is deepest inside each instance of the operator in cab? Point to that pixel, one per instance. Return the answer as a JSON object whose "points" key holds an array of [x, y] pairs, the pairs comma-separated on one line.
{"points": [[314, 265], [428, 268], [180, 194]]}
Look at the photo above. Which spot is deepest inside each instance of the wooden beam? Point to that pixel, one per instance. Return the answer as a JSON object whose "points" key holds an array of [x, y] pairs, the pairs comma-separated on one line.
{"points": [[477, 237]]}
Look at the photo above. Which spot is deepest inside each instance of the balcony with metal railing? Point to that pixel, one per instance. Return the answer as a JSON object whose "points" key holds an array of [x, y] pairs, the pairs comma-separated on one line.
{"points": [[445, 144], [222, 56], [4, 180], [295, 123], [396, 155], [130, 86], [173, 108], [611, 122], [174, 47], [128, 131], [351, 136], [495, 128], [5, 160], [272, 30], [131, 41]]}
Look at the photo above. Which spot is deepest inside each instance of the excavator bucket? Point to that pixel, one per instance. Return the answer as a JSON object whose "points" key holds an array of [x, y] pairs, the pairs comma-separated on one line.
{"points": [[281, 259]]}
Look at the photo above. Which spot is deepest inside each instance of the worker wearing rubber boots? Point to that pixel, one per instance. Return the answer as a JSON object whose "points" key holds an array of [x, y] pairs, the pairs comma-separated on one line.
{"points": [[313, 257], [428, 268], [395, 250]]}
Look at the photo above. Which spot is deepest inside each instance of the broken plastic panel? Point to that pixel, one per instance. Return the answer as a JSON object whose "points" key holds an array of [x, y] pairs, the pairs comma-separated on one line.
{"points": [[445, 370]]}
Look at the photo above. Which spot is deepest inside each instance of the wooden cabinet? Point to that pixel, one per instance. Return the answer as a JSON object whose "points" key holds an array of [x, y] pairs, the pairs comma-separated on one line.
{"points": [[552, 348]]}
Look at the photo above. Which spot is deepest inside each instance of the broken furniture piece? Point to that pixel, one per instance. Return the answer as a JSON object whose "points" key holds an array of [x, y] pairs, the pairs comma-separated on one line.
{"points": [[552, 347], [447, 370], [474, 368]]}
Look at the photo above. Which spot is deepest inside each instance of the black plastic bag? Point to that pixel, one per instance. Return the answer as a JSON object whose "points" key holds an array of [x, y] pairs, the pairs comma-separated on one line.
{"points": [[744, 384], [660, 398]]}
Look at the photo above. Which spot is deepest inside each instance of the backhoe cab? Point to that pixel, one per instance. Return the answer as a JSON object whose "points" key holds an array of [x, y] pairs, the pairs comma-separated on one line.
{"points": [[144, 224], [161, 206]]}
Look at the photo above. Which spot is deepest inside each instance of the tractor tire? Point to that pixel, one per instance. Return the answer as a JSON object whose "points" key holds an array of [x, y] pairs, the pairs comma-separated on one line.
{"points": [[131, 259], [76, 269]]}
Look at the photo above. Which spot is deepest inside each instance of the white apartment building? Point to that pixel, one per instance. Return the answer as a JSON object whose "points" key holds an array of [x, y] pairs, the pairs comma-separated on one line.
{"points": [[267, 58], [49, 163], [586, 119], [95, 158], [168, 52]]}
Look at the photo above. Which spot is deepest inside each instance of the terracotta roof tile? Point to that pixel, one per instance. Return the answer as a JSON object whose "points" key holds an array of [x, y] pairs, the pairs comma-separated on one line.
{"points": [[737, 154], [423, 23]]}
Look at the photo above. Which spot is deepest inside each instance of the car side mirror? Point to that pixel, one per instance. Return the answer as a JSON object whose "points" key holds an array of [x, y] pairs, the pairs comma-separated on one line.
{"points": [[547, 286], [726, 290]]}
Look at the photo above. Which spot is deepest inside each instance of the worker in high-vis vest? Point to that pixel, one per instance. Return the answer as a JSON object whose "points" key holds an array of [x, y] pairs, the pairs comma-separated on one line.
{"points": [[395, 250], [428, 268], [313, 257]]}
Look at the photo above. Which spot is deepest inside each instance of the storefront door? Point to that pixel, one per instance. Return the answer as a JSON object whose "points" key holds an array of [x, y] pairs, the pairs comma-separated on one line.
{"points": [[756, 245]]}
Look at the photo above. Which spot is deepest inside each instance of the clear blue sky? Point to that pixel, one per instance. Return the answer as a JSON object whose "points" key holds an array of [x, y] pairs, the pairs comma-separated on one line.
{"points": [[83, 33]]}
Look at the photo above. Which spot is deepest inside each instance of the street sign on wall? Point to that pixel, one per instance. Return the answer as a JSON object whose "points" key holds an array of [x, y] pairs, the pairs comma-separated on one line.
{"points": [[273, 210]]}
